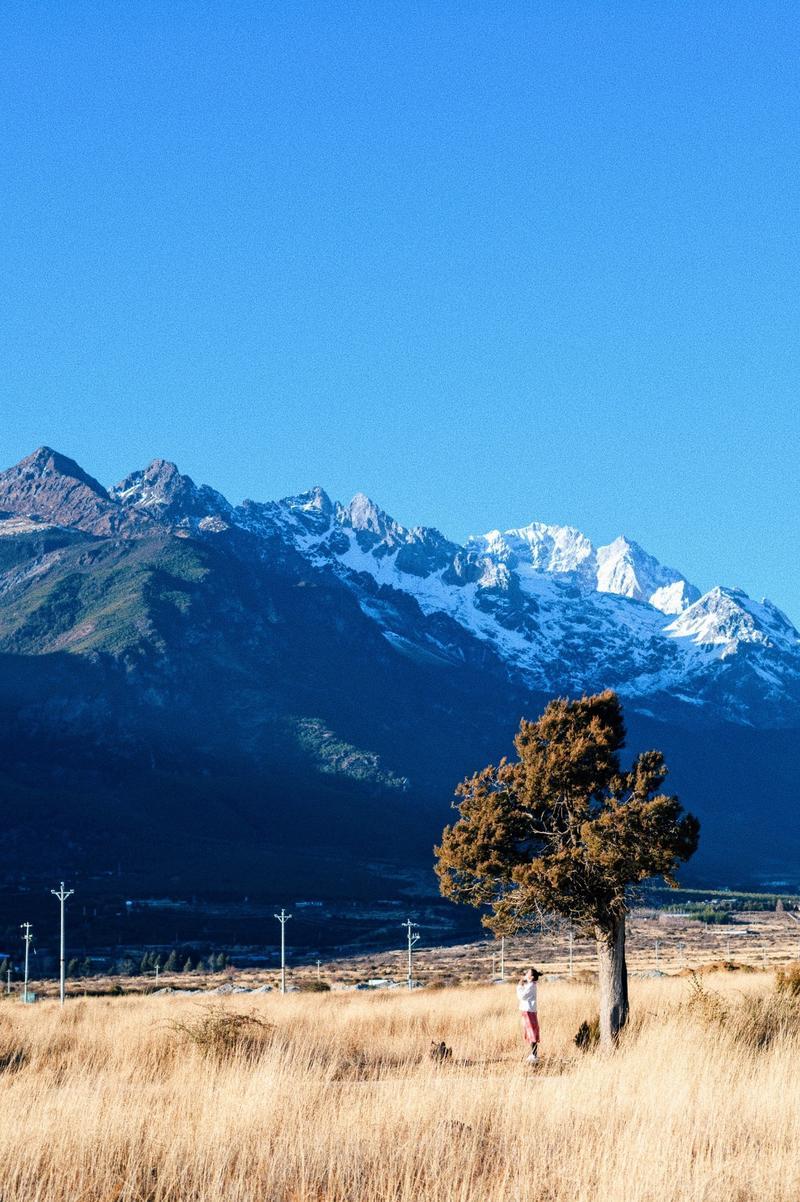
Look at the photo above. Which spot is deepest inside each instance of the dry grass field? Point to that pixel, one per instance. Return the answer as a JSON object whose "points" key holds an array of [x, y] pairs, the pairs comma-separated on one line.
{"points": [[334, 1098]]}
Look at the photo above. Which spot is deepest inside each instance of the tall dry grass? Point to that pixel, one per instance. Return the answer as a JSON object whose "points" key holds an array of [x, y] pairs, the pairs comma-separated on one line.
{"points": [[334, 1097]]}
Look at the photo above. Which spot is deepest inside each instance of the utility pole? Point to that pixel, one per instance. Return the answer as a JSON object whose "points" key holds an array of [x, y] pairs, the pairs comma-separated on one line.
{"points": [[62, 894], [8, 981], [26, 927], [571, 946], [413, 937], [283, 918], [657, 947], [502, 957], [319, 973]]}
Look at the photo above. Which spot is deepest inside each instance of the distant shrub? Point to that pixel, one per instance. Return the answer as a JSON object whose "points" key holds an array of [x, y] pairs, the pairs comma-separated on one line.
{"points": [[787, 980], [313, 986]]}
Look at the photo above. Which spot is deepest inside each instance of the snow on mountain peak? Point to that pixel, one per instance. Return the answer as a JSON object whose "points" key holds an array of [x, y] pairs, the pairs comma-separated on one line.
{"points": [[161, 490], [621, 567], [625, 568], [315, 506], [541, 547], [728, 617], [557, 612]]}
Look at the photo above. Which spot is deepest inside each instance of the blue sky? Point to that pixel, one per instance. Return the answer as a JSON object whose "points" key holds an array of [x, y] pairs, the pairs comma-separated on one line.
{"points": [[486, 262]]}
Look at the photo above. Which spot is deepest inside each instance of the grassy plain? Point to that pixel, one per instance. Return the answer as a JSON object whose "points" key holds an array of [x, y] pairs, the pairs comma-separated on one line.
{"points": [[334, 1097]]}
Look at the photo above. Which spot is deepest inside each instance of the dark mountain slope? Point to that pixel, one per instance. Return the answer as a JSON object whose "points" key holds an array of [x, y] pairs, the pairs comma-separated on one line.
{"points": [[190, 692]]}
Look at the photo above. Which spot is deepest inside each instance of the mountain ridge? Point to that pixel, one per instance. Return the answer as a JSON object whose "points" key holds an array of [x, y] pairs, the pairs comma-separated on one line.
{"points": [[305, 673], [561, 613]]}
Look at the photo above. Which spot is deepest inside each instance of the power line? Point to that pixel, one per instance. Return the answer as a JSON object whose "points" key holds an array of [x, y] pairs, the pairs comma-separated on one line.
{"points": [[62, 894], [26, 927], [412, 939], [283, 918]]}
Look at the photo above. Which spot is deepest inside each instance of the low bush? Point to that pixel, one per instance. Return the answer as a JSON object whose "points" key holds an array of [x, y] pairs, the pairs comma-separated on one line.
{"points": [[754, 1023], [13, 1054], [787, 980], [704, 1005], [225, 1033]]}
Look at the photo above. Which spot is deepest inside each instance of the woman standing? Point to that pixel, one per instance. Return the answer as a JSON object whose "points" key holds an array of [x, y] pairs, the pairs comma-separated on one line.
{"points": [[526, 997]]}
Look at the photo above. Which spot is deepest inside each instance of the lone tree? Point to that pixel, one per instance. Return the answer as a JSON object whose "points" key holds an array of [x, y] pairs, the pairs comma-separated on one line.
{"points": [[563, 829]]}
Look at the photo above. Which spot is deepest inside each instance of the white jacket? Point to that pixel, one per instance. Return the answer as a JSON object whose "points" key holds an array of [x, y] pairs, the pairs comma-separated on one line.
{"points": [[526, 995]]}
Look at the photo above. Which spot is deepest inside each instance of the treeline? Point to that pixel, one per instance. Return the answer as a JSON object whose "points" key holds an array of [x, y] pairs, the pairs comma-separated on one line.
{"points": [[178, 960], [148, 965]]}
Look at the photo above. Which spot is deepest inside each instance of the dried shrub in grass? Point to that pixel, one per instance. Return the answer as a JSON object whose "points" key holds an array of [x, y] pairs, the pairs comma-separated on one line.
{"points": [[314, 986], [13, 1052], [583, 976], [224, 1034], [787, 980], [588, 1034], [760, 1022], [752, 1023], [704, 1005]]}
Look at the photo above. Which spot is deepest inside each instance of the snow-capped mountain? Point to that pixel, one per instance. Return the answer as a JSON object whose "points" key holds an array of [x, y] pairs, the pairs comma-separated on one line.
{"points": [[557, 613], [169, 657], [561, 613], [622, 567]]}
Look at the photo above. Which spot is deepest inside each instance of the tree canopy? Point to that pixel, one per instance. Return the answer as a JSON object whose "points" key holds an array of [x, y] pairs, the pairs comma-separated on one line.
{"points": [[563, 828]]}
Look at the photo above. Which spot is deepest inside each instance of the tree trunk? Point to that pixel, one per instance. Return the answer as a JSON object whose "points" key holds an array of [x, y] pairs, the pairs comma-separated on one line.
{"points": [[613, 974]]}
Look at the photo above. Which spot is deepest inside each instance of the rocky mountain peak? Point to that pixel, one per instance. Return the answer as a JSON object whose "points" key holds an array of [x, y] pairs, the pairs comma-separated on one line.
{"points": [[363, 514], [163, 492], [53, 487], [45, 463]]}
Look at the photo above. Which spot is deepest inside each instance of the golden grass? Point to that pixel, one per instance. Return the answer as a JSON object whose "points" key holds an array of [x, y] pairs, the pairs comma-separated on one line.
{"points": [[334, 1098]]}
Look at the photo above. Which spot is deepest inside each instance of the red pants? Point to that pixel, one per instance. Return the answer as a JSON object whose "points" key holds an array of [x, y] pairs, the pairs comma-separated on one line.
{"points": [[530, 1026]]}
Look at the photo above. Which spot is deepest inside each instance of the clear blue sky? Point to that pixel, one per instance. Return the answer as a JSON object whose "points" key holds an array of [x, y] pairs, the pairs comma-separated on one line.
{"points": [[486, 262]]}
